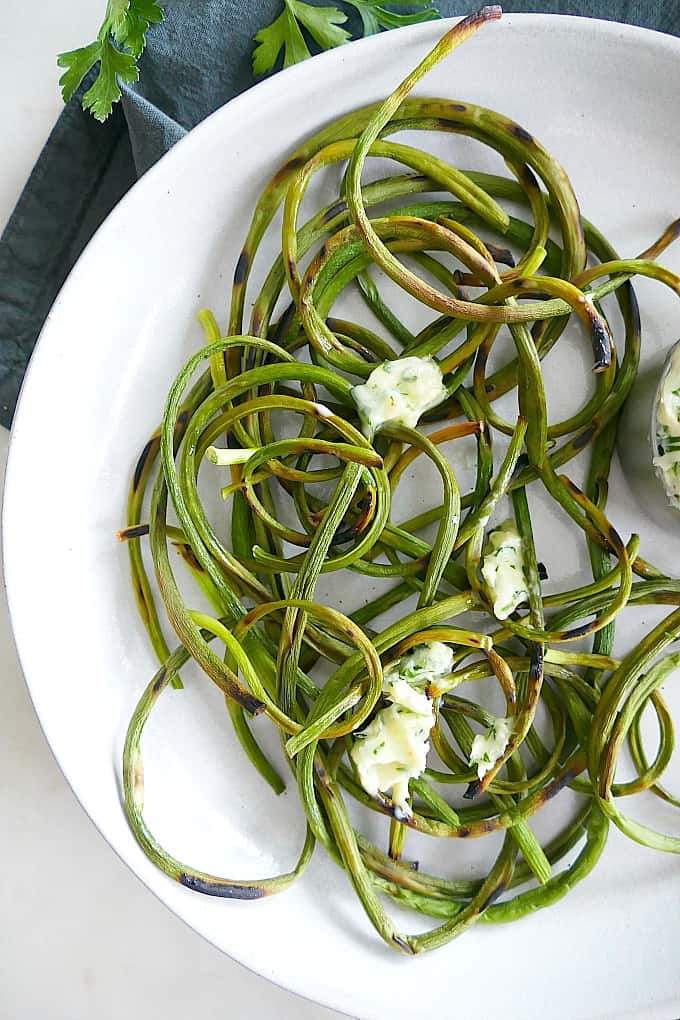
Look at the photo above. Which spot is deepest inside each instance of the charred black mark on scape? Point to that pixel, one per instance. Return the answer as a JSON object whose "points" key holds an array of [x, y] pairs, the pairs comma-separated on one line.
{"points": [[141, 602], [323, 251], [542, 572], [572, 486], [249, 702], [463, 831], [366, 505], [583, 438], [522, 463], [294, 163], [188, 554], [403, 945], [323, 778], [256, 324], [344, 536], [161, 680], [442, 124], [581, 631], [136, 531], [241, 270], [473, 790], [525, 174], [536, 663], [521, 133], [614, 537], [459, 107], [211, 887], [288, 168], [501, 255], [492, 897], [602, 348], [159, 516], [141, 463], [558, 784], [334, 210]]}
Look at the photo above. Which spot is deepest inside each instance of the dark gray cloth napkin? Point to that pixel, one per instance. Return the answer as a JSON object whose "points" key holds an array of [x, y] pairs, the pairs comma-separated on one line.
{"points": [[196, 61]]}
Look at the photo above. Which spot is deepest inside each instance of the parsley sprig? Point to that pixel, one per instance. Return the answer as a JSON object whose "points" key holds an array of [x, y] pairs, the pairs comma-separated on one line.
{"points": [[122, 38], [376, 16], [285, 33], [119, 43]]}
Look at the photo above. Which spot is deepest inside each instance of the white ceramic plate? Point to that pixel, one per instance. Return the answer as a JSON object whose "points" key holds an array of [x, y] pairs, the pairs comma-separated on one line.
{"points": [[601, 97]]}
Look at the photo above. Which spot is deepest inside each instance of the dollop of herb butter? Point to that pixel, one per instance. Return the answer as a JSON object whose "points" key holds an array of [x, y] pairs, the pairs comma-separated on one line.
{"points": [[667, 428], [394, 746], [503, 570], [399, 392], [488, 747]]}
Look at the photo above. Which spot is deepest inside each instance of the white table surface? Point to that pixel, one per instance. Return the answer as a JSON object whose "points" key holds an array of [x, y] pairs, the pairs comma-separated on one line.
{"points": [[80, 937]]}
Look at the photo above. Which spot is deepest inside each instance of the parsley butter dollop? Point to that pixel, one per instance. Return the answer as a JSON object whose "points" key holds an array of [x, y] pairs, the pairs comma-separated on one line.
{"points": [[503, 570], [667, 428], [393, 748], [398, 392], [488, 747]]}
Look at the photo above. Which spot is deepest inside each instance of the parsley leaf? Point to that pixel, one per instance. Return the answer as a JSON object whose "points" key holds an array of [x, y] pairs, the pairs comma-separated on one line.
{"points": [[321, 23], [126, 23], [116, 13], [374, 14], [139, 16], [77, 64], [285, 34], [114, 66]]}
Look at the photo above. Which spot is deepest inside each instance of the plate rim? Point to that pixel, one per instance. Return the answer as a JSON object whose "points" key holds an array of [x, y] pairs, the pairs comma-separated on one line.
{"points": [[11, 504]]}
